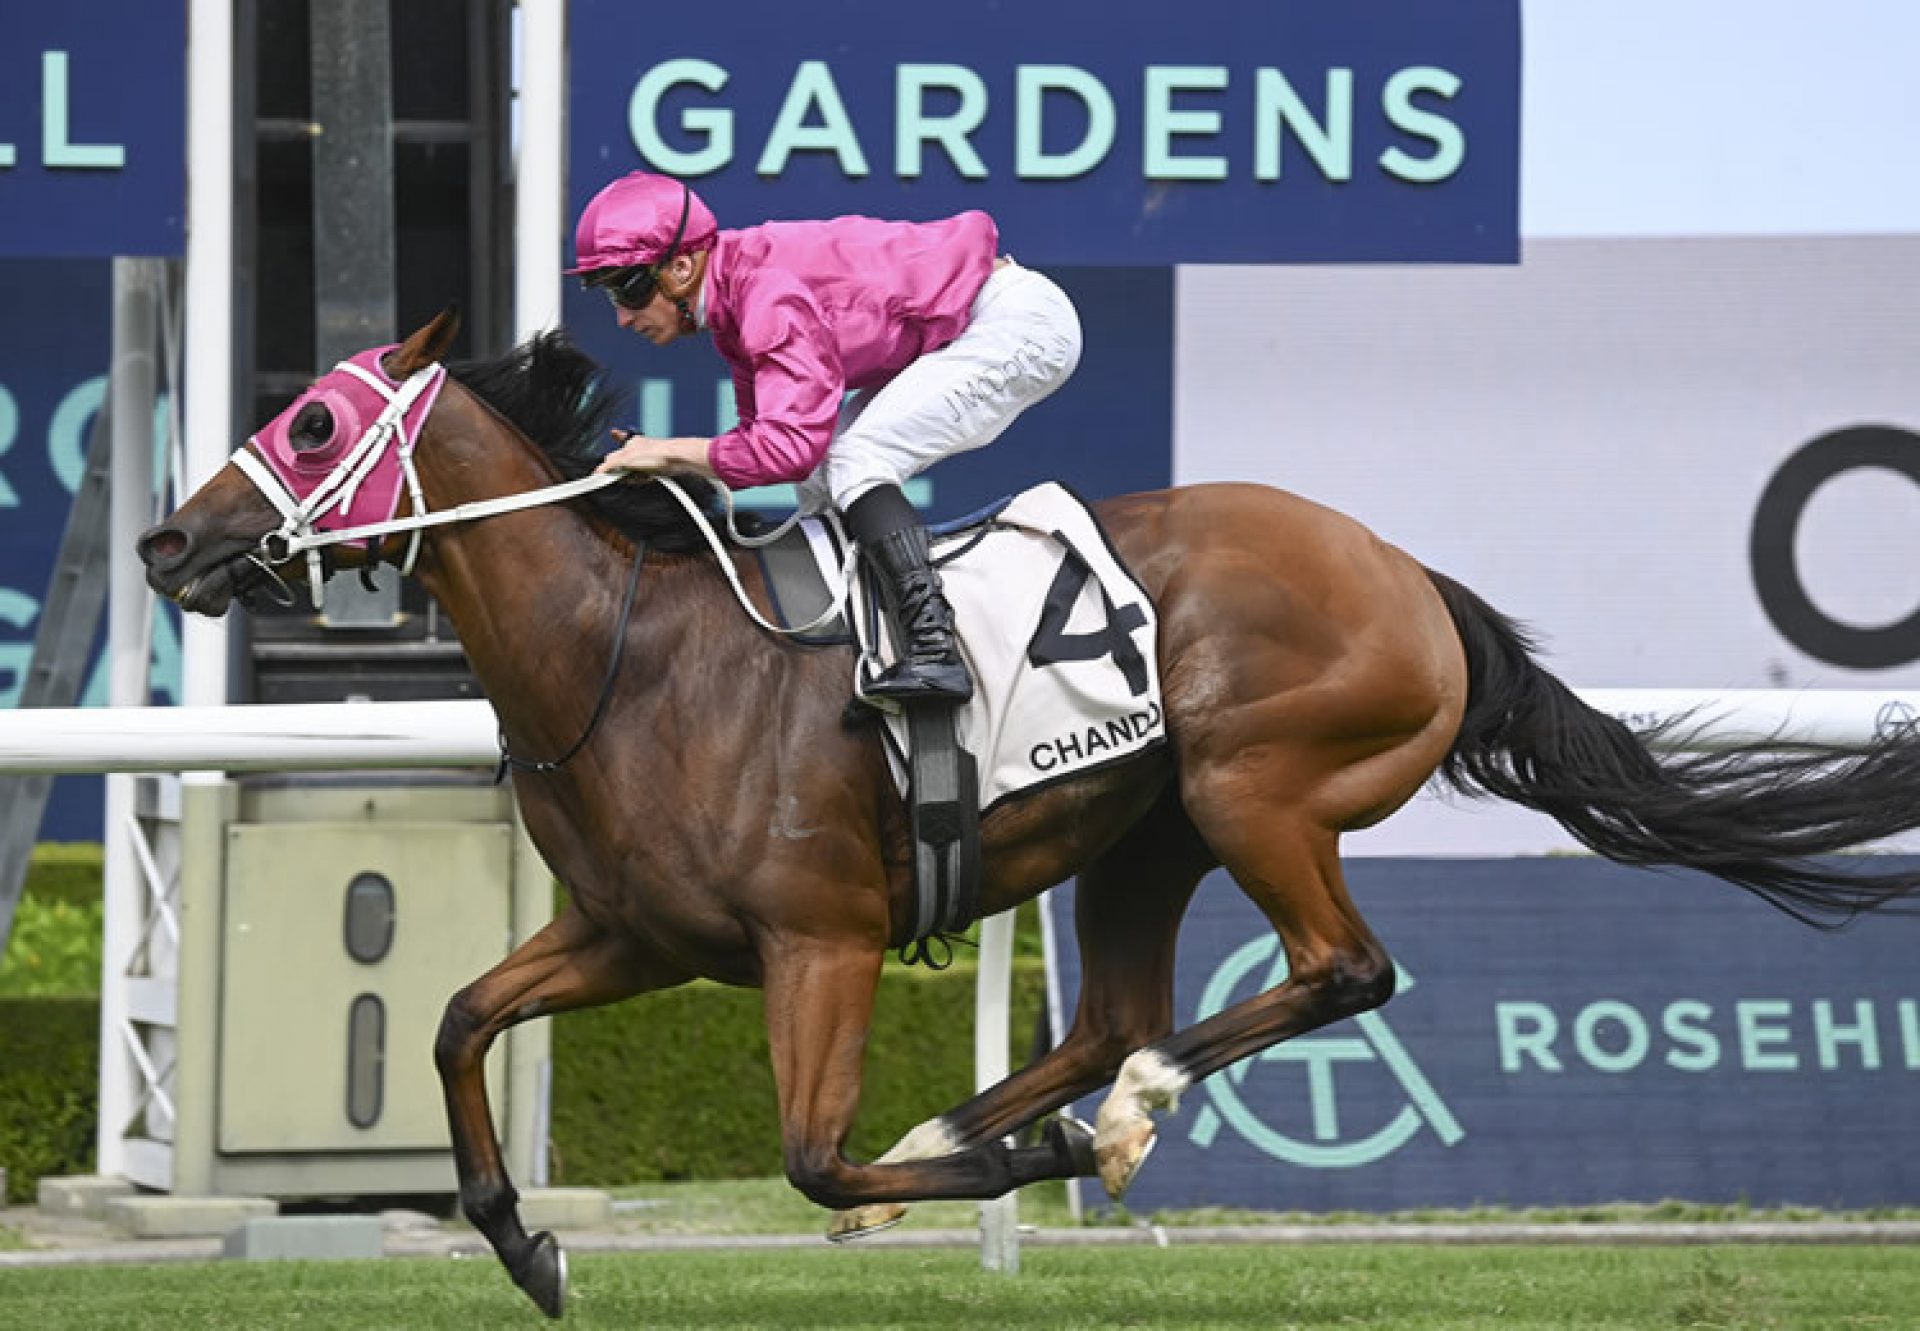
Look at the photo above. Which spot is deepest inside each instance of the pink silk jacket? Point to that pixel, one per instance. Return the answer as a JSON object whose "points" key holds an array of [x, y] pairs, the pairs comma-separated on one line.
{"points": [[804, 311]]}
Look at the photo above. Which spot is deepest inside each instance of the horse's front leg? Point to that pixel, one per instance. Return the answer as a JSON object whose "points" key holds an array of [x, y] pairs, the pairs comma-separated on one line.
{"points": [[1129, 905], [819, 999], [570, 964]]}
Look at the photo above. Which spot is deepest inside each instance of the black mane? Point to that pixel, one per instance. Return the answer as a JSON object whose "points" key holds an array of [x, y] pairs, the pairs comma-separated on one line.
{"points": [[560, 398]]}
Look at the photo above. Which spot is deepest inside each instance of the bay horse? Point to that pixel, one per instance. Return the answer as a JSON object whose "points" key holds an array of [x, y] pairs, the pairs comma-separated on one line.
{"points": [[723, 820]]}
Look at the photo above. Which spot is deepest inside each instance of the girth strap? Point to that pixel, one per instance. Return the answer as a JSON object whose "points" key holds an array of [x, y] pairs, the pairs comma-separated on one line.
{"points": [[944, 802]]}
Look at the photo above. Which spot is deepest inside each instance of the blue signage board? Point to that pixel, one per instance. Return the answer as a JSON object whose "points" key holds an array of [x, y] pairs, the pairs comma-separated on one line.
{"points": [[1566, 1032], [93, 124], [1123, 132], [55, 342]]}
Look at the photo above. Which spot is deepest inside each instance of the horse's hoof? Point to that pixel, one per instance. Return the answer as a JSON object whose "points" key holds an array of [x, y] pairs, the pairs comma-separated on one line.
{"points": [[1073, 1144], [861, 1221], [544, 1275], [1120, 1157]]}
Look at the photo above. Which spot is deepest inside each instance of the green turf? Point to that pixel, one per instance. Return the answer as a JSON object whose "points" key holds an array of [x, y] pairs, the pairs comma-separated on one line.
{"points": [[1433, 1289]]}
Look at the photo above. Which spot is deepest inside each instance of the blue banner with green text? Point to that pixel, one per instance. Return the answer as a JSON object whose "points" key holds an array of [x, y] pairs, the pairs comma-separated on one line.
{"points": [[1566, 1032], [1128, 132], [93, 129]]}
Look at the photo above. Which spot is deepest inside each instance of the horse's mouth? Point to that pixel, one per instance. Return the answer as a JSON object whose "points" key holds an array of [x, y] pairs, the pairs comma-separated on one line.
{"points": [[206, 592], [211, 590]]}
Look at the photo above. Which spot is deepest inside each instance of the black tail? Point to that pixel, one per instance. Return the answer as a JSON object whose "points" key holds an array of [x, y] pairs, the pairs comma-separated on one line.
{"points": [[1752, 815]]}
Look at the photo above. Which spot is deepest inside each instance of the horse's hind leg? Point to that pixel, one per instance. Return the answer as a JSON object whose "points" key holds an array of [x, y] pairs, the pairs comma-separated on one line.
{"points": [[1336, 969], [570, 964], [1128, 905], [819, 1005]]}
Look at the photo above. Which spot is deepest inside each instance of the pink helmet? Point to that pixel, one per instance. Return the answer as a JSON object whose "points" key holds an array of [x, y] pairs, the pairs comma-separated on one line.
{"points": [[641, 219]]}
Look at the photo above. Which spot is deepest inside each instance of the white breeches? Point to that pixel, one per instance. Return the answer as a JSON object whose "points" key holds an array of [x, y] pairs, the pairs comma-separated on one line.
{"points": [[1021, 343]]}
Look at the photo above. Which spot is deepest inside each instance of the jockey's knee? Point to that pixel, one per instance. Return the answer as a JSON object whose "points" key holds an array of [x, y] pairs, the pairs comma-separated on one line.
{"points": [[1048, 360], [1056, 338]]}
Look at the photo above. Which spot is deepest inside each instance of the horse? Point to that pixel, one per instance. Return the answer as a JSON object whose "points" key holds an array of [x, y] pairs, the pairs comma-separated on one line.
{"points": [[716, 814]]}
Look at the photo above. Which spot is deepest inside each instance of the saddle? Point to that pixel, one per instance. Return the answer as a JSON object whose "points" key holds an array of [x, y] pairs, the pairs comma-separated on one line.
{"points": [[1059, 638]]}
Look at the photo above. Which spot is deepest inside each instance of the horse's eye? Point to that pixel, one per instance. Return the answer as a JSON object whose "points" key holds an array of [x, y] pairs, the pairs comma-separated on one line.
{"points": [[312, 428]]}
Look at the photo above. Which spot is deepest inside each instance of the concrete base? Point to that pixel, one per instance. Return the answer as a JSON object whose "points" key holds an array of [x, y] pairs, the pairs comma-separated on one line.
{"points": [[307, 1238], [80, 1195], [565, 1208], [185, 1217]]}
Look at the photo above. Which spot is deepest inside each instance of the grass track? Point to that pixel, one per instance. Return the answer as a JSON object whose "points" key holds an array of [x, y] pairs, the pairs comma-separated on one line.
{"points": [[1269, 1288]]}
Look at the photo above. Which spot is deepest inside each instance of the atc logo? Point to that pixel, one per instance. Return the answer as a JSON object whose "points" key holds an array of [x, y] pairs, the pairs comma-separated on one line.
{"points": [[1331, 1146], [1896, 720]]}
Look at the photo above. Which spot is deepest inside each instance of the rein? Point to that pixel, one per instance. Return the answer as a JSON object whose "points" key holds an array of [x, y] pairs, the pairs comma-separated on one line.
{"points": [[838, 590], [509, 762]]}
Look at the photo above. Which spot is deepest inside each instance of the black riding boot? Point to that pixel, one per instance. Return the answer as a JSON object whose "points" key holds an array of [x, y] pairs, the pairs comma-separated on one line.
{"points": [[893, 540]]}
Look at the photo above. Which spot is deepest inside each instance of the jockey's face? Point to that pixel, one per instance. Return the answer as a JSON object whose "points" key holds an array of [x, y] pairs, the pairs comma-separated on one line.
{"points": [[658, 318]]}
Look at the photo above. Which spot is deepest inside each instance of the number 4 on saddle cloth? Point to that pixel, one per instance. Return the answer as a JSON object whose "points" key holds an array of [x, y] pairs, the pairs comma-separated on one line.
{"points": [[1060, 641]]}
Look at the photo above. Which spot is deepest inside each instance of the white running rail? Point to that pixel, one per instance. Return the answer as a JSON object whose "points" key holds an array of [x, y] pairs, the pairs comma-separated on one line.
{"points": [[333, 736]]}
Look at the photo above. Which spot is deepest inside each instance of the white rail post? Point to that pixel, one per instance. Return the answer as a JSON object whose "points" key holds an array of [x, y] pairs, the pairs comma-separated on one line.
{"points": [[993, 1004], [540, 178], [136, 323], [209, 437], [209, 300]]}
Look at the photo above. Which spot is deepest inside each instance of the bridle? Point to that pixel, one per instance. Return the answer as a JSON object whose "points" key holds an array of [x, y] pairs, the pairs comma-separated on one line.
{"points": [[310, 525]]}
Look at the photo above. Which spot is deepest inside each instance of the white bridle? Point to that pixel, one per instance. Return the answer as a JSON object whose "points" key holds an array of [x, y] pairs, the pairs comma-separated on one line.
{"points": [[298, 532]]}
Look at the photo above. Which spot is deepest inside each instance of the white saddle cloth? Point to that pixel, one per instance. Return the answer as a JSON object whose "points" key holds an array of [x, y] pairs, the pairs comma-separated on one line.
{"points": [[1060, 640]]}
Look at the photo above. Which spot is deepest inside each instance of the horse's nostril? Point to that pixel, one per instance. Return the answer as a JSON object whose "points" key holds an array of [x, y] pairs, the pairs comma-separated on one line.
{"points": [[163, 545]]}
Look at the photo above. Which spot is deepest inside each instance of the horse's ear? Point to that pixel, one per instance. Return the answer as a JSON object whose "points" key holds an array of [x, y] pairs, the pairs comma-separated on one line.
{"points": [[426, 346]]}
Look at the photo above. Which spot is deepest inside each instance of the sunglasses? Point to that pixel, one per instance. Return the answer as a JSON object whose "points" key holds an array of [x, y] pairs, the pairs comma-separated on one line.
{"points": [[633, 291]]}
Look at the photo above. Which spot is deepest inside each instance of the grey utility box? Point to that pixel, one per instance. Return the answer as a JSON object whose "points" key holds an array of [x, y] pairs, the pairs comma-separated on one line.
{"points": [[344, 915]]}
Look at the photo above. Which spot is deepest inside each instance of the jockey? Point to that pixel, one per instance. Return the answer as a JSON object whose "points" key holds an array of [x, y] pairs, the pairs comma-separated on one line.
{"points": [[862, 353]]}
